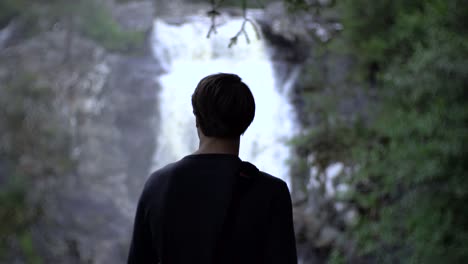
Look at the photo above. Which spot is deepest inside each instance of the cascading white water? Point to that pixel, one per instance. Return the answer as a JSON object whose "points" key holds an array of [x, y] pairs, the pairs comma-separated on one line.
{"points": [[187, 56]]}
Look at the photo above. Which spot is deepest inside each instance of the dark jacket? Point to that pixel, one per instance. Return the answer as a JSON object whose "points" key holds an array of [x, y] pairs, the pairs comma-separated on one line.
{"points": [[213, 208]]}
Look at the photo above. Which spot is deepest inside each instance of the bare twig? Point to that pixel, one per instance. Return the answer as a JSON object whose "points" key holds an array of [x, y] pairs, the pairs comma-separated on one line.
{"points": [[214, 13], [254, 26], [242, 30]]}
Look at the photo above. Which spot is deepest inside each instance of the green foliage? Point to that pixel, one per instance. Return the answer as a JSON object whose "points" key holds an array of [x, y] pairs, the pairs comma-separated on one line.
{"points": [[97, 23], [28, 249], [14, 214], [8, 10], [412, 187], [30, 122], [89, 17], [16, 217], [407, 157], [33, 147], [336, 258], [27, 14]]}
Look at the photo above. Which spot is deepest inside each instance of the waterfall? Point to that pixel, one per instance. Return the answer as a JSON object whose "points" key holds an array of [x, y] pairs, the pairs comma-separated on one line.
{"points": [[187, 55]]}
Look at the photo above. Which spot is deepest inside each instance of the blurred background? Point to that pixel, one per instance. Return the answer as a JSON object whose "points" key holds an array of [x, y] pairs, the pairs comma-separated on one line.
{"points": [[361, 109]]}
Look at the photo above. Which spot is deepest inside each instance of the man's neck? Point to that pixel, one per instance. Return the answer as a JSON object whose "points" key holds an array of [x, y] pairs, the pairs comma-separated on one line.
{"points": [[210, 145]]}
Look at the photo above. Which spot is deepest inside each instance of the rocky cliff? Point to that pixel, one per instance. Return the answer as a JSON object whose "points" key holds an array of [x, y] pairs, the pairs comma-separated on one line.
{"points": [[108, 101]]}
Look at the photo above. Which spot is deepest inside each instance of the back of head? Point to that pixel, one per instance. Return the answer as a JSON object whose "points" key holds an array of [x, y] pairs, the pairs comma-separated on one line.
{"points": [[223, 106]]}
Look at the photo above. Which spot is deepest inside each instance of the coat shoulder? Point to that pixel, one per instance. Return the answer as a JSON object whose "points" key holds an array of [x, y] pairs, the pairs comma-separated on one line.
{"points": [[275, 183], [159, 179]]}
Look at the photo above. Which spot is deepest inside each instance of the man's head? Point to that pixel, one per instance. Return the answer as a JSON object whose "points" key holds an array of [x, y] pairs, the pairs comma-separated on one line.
{"points": [[223, 106]]}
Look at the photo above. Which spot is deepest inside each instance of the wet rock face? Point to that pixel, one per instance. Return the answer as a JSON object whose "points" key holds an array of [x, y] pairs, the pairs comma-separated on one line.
{"points": [[134, 102], [109, 106], [115, 151], [176, 11], [135, 15], [285, 33], [6, 33], [301, 40], [115, 145]]}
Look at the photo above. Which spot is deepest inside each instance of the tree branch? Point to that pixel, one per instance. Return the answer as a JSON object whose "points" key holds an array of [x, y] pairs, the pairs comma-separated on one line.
{"points": [[214, 13]]}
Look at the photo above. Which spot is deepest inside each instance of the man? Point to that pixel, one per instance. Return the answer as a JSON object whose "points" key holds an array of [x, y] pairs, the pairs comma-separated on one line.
{"points": [[211, 207]]}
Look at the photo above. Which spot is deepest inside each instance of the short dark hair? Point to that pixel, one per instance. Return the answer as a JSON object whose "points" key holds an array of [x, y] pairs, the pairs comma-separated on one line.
{"points": [[223, 105]]}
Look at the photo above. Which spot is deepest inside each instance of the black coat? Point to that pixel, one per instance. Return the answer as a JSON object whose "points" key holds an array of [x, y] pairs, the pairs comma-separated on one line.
{"points": [[213, 208]]}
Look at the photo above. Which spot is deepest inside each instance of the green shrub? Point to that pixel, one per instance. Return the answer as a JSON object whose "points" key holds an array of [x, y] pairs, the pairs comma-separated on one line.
{"points": [[97, 23], [10, 9], [16, 217], [408, 159], [34, 146], [413, 166]]}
